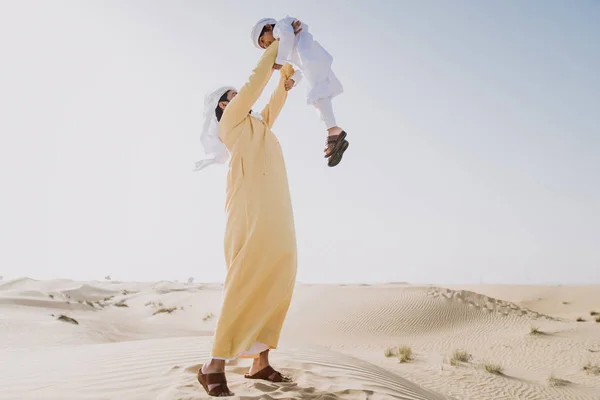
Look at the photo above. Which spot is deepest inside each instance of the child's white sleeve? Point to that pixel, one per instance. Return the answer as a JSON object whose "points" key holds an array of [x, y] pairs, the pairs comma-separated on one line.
{"points": [[297, 77], [285, 33]]}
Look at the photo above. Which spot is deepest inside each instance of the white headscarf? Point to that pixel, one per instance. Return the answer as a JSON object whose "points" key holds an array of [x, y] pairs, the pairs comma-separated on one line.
{"points": [[258, 29], [215, 150]]}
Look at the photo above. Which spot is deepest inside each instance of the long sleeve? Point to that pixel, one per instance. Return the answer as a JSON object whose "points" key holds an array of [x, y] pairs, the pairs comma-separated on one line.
{"points": [[278, 98], [239, 107], [287, 39], [297, 77]]}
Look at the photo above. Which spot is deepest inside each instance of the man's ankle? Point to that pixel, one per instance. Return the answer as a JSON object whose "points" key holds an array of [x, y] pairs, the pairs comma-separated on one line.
{"points": [[259, 363], [214, 366]]}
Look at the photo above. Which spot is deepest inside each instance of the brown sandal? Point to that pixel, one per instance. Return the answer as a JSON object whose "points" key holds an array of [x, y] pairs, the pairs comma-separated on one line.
{"points": [[269, 374], [337, 157], [207, 380], [336, 146]]}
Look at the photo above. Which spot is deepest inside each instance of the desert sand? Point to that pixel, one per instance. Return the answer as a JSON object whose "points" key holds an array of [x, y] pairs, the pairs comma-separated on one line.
{"points": [[146, 341]]}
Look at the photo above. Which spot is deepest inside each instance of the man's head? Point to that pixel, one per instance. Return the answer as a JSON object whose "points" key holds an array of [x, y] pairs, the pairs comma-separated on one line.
{"points": [[262, 33], [223, 101]]}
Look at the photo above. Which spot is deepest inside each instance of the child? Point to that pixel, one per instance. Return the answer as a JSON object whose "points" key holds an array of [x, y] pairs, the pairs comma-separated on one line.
{"points": [[297, 46]]}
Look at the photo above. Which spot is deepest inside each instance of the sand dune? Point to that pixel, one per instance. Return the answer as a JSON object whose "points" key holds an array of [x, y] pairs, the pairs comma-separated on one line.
{"points": [[147, 340], [166, 369]]}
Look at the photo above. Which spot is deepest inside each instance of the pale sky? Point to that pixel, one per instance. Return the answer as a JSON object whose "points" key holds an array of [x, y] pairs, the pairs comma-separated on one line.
{"points": [[474, 131]]}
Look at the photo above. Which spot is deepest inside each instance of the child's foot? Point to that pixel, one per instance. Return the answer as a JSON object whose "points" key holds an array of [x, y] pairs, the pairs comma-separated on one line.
{"points": [[335, 131], [336, 146]]}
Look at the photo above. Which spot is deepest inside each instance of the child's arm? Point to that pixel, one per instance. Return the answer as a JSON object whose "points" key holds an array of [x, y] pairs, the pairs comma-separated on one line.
{"points": [[239, 107], [285, 33], [297, 77], [278, 98]]}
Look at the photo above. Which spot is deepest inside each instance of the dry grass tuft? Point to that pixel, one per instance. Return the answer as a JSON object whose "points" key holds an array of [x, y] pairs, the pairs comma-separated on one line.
{"points": [[207, 317], [594, 313], [121, 304], [390, 352], [598, 319], [405, 354], [592, 369], [557, 382], [165, 310], [534, 330], [580, 319], [495, 369], [51, 296], [70, 320], [460, 356]]}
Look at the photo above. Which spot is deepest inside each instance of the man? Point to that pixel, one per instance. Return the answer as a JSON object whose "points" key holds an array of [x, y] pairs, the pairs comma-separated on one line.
{"points": [[260, 239]]}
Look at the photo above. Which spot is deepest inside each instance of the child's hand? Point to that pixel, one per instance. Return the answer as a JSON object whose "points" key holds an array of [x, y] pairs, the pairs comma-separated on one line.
{"points": [[289, 84], [296, 25]]}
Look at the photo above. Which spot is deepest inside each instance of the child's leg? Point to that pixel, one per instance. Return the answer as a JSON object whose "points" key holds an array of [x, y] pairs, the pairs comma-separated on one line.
{"points": [[336, 143], [325, 110]]}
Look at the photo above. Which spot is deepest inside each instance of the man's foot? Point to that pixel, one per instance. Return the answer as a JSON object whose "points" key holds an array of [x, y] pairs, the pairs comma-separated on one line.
{"points": [[212, 378], [269, 374], [262, 369]]}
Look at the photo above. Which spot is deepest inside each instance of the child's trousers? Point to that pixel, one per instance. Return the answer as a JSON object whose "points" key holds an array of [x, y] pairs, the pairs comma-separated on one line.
{"points": [[325, 110]]}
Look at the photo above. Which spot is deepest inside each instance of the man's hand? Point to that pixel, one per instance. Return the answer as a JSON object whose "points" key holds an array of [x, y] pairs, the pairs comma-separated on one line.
{"points": [[289, 84], [297, 27]]}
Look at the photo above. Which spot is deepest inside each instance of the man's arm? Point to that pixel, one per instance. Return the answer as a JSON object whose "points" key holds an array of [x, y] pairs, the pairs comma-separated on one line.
{"points": [[239, 107], [278, 98]]}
